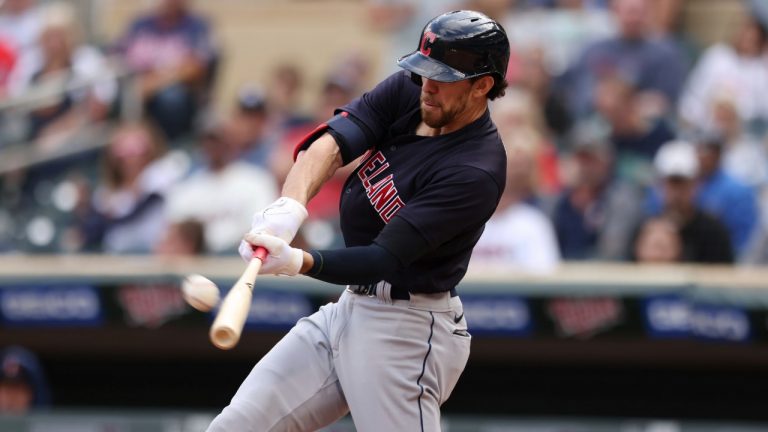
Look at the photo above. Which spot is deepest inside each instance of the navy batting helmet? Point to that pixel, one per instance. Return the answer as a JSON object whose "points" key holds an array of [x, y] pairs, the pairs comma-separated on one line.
{"points": [[459, 45]]}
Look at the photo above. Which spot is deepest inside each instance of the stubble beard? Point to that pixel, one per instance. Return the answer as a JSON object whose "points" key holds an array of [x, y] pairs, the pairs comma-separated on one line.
{"points": [[437, 121]]}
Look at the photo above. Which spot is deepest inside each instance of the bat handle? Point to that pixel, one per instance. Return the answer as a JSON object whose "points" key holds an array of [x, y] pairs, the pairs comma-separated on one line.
{"points": [[260, 252]]}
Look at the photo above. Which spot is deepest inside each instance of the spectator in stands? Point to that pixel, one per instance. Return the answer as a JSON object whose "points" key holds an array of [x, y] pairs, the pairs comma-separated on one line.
{"points": [[20, 23], [757, 250], [723, 196], [656, 66], [401, 22], [519, 236], [658, 241], [251, 127], [595, 215], [76, 82], [224, 193], [172, 52], [745, 156], [737, 71], [23, 386], [283, 91], [704, 238], [531, 75], [637, 131], [666, 18], [518, 118], [183, 238], [561, 33], [8, 57], [126, 212]]}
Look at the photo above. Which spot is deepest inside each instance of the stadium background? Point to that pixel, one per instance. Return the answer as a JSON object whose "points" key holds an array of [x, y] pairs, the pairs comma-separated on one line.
{"points": [[587, 346]]}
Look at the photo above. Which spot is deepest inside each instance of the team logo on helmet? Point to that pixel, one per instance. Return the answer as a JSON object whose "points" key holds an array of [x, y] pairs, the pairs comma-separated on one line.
{"points": [[426, 42]]}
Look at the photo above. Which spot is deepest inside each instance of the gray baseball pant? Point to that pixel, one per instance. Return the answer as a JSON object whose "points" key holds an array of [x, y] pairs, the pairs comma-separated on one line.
{"points": [[391, 363]]}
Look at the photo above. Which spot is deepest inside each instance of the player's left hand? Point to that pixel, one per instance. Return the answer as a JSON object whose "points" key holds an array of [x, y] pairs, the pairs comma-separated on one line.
{"points": [[282, 218], [282, 259]]}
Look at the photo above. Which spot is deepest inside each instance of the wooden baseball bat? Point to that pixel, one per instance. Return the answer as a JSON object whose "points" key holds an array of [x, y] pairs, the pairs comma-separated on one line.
{"points": [[228, 325]]}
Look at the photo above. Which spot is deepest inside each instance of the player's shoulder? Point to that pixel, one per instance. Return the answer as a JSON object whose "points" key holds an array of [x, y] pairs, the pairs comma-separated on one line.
{"points": [[388, 102], [484, 138], [478, 138], [400, 82], [481, 152], [399, 78]]}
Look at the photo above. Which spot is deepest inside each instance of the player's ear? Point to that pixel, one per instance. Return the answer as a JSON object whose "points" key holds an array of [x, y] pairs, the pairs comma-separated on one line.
{"points": [[482, 86]]}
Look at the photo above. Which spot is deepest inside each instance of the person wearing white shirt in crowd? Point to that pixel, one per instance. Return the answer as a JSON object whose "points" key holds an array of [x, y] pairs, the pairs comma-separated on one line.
{"points": [[20, 23], [78, 78], [737, 71], [224, 193], [745, 156], [518, 236]]}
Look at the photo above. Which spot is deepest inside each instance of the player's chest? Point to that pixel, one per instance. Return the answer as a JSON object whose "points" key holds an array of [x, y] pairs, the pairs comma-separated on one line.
{"points": [[388, 177]]}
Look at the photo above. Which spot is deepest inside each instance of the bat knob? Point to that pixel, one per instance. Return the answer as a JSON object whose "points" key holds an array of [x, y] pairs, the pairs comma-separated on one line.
{"points": [[260, 253]]}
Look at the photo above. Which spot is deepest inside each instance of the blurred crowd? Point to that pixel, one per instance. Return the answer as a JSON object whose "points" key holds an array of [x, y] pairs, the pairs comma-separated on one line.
{"points": [[626, 141]]}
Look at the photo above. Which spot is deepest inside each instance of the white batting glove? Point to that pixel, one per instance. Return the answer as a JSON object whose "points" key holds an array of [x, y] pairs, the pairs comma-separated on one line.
{"points": [[282, 259], [282, 218]]}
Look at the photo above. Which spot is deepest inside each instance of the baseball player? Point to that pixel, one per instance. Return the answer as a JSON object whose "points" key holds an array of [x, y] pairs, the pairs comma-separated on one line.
{"points": [[391, 350]]}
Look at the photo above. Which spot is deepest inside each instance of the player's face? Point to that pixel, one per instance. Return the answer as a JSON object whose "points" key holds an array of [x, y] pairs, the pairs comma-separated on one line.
{"points": [[443, 103]]}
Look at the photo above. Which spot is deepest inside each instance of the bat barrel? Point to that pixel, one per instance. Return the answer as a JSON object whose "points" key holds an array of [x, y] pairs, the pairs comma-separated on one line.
{"points": [[228, 325]]}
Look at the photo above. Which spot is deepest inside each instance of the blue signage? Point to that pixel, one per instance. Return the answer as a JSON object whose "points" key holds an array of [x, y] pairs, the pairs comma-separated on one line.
{"points": [[725, 323], [50, 306], [667, 316], [507, 315]]}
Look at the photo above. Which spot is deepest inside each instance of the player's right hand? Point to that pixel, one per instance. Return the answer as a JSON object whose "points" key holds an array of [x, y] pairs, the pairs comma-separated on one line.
{"points": [[282, 219], [282, 259]]}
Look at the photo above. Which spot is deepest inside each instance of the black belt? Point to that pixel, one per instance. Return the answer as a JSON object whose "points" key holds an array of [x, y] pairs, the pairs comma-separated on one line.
{"points": [[396, 293]]}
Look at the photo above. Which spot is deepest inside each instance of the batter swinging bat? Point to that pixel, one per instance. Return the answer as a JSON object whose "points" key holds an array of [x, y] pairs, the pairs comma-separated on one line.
{"points": [[228, 325]]}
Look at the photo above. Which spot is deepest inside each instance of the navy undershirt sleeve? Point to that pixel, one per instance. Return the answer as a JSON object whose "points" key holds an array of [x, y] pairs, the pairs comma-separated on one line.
{"points": [[396, 247], [358, 265], [403, 241]]}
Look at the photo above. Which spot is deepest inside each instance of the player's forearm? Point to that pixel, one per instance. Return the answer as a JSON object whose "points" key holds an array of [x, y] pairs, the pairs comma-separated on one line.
{"points": [[396, 247], [312, 169], [353, 265]]}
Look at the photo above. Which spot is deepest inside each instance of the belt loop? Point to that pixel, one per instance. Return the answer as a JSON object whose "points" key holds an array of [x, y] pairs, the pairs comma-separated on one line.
{"points": [[383, 292]]}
